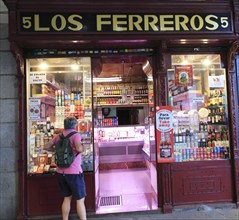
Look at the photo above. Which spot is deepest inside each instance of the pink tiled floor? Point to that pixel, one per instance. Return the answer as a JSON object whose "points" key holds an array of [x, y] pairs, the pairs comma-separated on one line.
{"points": [[133, 185]]}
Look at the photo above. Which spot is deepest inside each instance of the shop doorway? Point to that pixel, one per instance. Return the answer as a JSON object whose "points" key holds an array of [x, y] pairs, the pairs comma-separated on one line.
{"points": [[125, 172]]}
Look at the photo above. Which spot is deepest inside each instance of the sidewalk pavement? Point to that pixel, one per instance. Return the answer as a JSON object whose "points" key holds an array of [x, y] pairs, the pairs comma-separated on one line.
{"points": [[200, 212], [195, 212]]}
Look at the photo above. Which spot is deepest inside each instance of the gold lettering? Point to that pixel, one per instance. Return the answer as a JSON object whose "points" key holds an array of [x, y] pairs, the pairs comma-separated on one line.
{"points": [[193, 24], [37, 24], [135, 23], [181, 22], [100, 21], [214, 24], [117, 23], [164, 22], [150, 21], [62, 22], [78, 25]]}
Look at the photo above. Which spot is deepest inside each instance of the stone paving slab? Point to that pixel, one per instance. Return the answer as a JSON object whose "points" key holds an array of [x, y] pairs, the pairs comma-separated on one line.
{"points": [[201, 212], [197, 212]]}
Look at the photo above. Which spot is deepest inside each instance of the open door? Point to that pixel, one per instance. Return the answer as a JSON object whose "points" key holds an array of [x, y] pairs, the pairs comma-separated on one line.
{"points": [[124, 134]]}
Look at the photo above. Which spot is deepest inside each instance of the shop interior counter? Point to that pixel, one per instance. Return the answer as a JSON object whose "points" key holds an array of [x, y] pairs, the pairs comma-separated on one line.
{"points": [[121, 151]]}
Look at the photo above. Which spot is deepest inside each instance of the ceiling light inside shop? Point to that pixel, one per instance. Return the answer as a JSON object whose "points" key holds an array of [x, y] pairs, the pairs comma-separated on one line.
{"points": [[43, 65], [206, 62], [74, 66], [185, 62]]}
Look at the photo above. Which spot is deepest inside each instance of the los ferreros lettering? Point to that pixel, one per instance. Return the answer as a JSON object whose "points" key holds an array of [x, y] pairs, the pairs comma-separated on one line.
{"points": [[65, 22], [157, 23]]}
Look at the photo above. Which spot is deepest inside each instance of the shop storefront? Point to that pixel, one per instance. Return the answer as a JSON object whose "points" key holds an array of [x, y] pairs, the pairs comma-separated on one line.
{"points": [[154, 95]]}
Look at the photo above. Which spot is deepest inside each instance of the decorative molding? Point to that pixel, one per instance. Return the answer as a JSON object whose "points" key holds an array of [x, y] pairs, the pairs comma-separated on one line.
{"points": [[162, 90], [236, 15], [233, 110], [202, 185], [231, 55], [236, 179], [167, 188], [233, 93], [161, 73]]}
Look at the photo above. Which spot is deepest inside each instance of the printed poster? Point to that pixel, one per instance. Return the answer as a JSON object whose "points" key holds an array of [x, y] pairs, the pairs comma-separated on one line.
{"points": [[34, 108], [183, 75], [164, 133]]}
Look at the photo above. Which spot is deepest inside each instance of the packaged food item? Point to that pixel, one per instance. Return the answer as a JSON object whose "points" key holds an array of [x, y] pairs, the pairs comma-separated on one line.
{"points": [[33, 169], [42, 159], [40, 169], [46, 168]]}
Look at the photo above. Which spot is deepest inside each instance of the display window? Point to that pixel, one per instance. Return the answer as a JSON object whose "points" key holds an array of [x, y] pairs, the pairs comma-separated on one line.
{"points": [[198, 96], [57, 88]]}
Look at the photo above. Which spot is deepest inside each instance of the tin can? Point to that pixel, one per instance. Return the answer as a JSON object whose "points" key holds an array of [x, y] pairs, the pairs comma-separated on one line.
{"points": [[187, 153], [176, 157], [180, 157], [221, 152], [204, 153], [201, 153], [216, 151], [183, 154], [197, 153], [191, 154]]}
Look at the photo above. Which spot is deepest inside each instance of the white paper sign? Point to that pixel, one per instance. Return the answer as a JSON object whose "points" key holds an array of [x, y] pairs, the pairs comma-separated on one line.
{"points": [[198, 100], [37, 78], [216, 81], [34, 101]]}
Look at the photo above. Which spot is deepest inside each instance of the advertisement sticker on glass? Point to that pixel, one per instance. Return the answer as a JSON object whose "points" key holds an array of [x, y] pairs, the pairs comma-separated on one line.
{"points": [[34, 108], [35, 112], [164, 133], [183, 75]]}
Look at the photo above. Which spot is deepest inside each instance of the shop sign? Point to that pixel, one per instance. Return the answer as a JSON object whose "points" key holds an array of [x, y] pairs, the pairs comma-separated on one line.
{"points": [[183, 75], [164, 133], [37, 78], [91, 22]]}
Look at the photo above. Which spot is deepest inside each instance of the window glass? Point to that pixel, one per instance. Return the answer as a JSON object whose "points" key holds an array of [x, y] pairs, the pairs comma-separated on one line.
{"points": [[57, 88], [198, 95]]}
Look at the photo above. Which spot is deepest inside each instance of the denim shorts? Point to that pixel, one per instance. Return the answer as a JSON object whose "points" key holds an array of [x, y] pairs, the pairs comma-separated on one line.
{"points": [[72, 185]]}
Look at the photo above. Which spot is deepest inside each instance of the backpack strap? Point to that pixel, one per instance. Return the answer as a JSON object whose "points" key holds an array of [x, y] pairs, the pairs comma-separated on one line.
{"points": [[67, 136], [61, 135], [70, 134]]}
